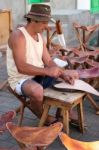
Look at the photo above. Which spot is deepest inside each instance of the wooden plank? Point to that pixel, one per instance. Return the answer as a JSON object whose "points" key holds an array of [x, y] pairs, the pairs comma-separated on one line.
{"points": [[5, 26]]}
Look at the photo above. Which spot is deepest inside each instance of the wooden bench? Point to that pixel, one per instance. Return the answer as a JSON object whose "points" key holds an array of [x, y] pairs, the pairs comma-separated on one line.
{"points": [[64, 101]]}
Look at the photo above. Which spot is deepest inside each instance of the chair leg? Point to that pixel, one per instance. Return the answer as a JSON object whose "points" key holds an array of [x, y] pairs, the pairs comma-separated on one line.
{"points": [[22, 146], [21, 114], [2, 85], [44, 115], [80, 116], [79, 38], [65, 115], [93, 102]]}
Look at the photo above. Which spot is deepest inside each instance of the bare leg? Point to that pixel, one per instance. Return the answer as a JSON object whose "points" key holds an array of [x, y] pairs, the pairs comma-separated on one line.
{"points": [[35, 92]]}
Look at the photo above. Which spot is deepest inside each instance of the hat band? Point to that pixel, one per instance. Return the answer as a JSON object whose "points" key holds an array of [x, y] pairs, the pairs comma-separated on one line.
{"points": [[38, 14]]}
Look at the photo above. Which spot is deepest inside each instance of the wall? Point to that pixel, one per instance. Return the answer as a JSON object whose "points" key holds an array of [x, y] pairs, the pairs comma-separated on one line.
{"points": [[63, 4], [18, 7]]}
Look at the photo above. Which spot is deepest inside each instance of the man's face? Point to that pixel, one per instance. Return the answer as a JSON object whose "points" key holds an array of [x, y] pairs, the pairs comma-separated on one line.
{"points": [[41, 26]]}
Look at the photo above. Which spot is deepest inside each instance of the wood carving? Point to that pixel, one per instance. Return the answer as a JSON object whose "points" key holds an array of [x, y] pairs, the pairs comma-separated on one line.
{"points": [[35, 136], [4, 118], [72, 144]]}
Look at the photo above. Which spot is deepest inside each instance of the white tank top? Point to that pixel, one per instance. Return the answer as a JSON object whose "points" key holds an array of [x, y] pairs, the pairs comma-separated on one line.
{"points": [[34, 52]]}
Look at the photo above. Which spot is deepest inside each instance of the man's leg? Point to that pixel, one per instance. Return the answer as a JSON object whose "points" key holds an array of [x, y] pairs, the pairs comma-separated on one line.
{"points": [[35, 92]]}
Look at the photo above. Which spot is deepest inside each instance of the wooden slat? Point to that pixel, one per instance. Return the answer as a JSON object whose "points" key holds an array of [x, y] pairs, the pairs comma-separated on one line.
{"points": [[2, 85], [5, 26]]}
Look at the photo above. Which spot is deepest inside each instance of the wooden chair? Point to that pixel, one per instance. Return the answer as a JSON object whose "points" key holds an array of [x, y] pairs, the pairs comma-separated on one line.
{"points": [[83, 34], [53, 31], [4, 118], [30, 137], [72, 144], [64, 101], [24, 103]]}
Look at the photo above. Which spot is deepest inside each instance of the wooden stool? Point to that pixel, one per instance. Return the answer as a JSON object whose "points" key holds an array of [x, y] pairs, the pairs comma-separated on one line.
{"points": [[4, 118], [25, 102], [30, 137], [64, 101], [83, 34], [73, 144]]}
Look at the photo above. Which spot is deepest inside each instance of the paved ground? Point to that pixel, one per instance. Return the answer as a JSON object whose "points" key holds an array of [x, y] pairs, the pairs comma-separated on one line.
{"points": [[9, 102]]}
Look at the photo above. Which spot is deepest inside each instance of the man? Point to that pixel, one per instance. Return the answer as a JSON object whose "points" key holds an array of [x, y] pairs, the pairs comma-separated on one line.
{"points": [[30, 67]]}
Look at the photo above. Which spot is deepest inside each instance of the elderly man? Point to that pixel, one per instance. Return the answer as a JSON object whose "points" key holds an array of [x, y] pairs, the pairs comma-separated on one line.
{"points": [[30, 67]]}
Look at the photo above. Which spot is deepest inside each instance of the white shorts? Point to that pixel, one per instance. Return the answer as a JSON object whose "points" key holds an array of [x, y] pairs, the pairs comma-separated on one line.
{"points": [[18, 87]]}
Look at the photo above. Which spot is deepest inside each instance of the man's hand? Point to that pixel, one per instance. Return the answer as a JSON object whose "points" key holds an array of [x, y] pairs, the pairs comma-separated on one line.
{"points": [[54, 71], [70, 76]]}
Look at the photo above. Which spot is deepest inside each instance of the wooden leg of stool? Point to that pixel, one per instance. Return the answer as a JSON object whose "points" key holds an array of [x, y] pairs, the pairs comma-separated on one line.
{"points": [[21, 145], [65, 115], [2, 85], [93, 102], [80, 116], [17, 110], [44, 115], [21, 114]]}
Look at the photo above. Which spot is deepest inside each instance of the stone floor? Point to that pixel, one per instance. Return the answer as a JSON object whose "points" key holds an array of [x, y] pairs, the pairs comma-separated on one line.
{"points": [[9, 102]]}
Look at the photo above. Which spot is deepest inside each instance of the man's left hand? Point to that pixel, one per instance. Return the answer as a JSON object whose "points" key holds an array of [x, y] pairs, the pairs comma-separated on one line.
{"points": [[70, 76]]}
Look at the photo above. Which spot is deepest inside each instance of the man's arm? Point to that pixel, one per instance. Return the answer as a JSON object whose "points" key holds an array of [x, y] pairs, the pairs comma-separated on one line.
{"points": [[17, 43], [67, 75], [47, 58]]}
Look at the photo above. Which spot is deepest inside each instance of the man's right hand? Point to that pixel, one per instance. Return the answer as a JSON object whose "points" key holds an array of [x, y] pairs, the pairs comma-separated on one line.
{"points": [[54, 71]]}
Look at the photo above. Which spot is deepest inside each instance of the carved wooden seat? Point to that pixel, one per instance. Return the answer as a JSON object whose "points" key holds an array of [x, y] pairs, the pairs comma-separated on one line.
{"points": [[34, 136], [24, 103], [83, 34], [4, 118], [64, 101], [72, 144]]}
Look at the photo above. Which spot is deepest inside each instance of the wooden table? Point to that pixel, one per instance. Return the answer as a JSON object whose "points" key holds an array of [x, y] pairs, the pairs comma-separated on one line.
{"points": [[64, 101]]}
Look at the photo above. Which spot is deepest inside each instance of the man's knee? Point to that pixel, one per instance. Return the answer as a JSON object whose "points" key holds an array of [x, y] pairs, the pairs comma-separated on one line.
{"points": [[37, 93], [32, 89]]}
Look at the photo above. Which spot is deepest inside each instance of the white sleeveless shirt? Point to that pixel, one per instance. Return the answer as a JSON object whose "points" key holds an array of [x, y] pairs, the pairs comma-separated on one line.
{"points": [[34, 52]]}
